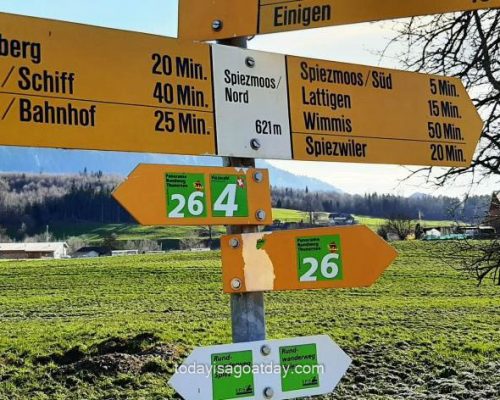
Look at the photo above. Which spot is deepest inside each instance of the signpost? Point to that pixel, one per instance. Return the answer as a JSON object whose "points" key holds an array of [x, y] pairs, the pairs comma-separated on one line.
{"points": [[277, 369], [320, 258], [220, 19], [248, 318], [81, 87], [105, 97], [182, 195]]}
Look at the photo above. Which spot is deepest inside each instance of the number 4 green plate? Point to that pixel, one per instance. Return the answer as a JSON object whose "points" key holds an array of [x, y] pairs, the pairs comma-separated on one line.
{"points": [[229, 195]]}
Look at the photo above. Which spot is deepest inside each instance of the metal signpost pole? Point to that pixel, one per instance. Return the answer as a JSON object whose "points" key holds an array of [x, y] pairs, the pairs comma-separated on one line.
{"points": [[247, 309]]}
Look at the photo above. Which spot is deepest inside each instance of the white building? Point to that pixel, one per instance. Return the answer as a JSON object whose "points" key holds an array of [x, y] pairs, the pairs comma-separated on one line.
{"points": [[29, 251], [121, 253]]}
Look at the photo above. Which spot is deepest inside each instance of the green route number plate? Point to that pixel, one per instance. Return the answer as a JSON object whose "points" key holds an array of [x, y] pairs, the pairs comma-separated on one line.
{"points": [[319, 258], [187, 195], [229, 195]]}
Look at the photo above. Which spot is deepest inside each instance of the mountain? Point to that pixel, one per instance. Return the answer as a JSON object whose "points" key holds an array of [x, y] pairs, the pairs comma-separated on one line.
{"points": [[419, 196], [34, 160]]}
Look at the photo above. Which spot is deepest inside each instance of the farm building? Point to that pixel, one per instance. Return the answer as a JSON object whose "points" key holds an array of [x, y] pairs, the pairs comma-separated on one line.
{"points": [[477, 232], [121, 253], [92, 252], [441, 230], [493, 218], [341, 219], [31, 251]]}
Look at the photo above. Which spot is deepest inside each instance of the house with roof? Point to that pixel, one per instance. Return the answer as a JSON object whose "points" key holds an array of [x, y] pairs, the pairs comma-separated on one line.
{"points": [[341, 219], [92, 252], [493, 218], [33, 251]]}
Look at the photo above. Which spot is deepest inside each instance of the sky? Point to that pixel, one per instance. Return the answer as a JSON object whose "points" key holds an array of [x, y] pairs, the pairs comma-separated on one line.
{"points": [[360, 43]]}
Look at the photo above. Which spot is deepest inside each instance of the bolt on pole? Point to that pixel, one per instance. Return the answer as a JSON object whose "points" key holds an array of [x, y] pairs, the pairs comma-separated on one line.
{"points": [[247, 309]]}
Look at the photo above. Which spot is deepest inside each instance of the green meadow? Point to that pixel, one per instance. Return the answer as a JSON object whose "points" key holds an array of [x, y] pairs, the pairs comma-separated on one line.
{"points": [[94, 233], [115, 328]]}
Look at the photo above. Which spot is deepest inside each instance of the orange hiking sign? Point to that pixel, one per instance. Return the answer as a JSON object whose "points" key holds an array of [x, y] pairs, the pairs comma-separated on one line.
{"points": [[320, 258], [182, 195]]}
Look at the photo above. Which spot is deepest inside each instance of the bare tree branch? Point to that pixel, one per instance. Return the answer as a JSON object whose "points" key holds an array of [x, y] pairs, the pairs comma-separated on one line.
{"points": [[467, 46]]}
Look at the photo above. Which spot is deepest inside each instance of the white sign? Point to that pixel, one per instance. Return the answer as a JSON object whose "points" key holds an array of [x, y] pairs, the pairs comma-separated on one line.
{"points": [[277, 369], [251, 99]]}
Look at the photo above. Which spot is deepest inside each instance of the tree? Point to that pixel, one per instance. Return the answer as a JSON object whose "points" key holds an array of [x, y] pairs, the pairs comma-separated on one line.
{"points": [[39, 238], [75, 243], [4, 237], [382, 232], [142, 245], [467, 46], [479, 259], [399, 225], [419, 232], [189, 243], [111, 241]]}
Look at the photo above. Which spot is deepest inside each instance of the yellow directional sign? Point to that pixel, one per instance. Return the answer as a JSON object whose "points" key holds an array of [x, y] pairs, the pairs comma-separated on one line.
{"points": [[354, 113], [222, 19], [80, 87], [320, 258], [182, 195], [340, 112]]}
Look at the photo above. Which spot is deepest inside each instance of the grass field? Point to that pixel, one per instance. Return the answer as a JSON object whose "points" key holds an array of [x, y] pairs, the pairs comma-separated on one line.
{"points": [[114, 328], [375, 223], [285, 215], [96, 232]]}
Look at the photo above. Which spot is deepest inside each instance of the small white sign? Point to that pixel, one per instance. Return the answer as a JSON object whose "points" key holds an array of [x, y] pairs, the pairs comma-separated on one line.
{"points": [[251, 103], [277, 369]]}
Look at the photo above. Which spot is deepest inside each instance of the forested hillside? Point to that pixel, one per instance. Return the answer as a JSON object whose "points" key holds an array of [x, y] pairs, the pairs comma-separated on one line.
{"points": [[30, 202], [383, 205]]}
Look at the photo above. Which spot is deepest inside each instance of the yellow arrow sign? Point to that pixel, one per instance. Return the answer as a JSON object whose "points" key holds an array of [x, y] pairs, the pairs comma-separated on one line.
{"points": [[181, 195], [321, 258], [354, 113], [80, 87], [222, 19]]}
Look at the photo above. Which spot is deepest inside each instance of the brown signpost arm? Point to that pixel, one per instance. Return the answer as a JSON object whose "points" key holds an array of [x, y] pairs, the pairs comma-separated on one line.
{"points": [[247, 309]]}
